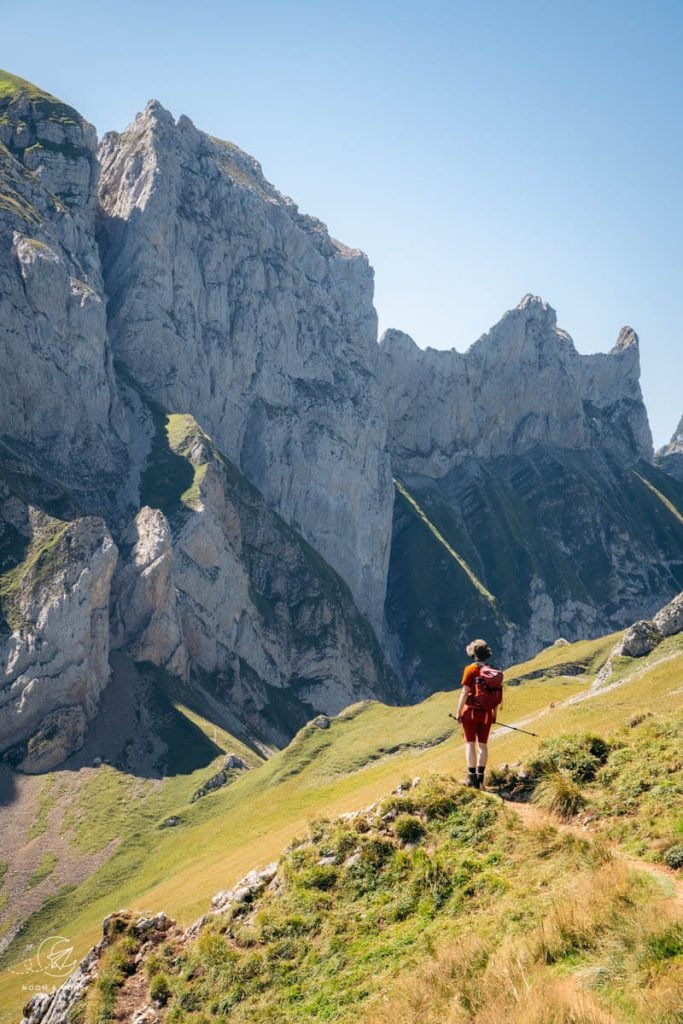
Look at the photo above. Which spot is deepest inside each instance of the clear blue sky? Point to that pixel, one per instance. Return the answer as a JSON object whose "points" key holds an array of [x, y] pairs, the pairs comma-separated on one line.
{"points": [[475, 150]]}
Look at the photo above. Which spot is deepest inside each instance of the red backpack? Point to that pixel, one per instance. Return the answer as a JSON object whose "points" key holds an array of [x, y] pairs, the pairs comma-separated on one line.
{"points": [[488, 688]]}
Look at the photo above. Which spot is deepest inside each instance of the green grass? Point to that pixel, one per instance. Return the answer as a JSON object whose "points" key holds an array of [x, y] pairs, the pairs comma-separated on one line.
{"points": [[43, 871], [45, 804], [44, 557], [3, 871], [366, 752], [472, 577], [361, 905], [12, 87]]}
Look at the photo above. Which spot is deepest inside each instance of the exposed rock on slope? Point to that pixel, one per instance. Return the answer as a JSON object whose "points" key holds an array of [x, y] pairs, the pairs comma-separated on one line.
{"points": [[60, 417], [521, 386], [263, 622], [54, 652], [670, 457], [227, 303], [527, 506]]}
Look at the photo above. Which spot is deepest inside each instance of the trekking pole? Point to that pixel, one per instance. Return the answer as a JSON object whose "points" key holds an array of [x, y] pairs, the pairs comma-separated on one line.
{"points": [[504, 726]]}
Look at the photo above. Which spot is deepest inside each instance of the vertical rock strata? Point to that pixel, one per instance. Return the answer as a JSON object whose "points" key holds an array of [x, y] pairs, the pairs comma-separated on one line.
{"points": [[60, 417], [670, 457], [227, 303], [197, 439], [54, 639], [532, 465]]}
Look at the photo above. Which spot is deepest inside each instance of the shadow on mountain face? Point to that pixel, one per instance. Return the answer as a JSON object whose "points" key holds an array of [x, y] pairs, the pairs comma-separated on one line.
{"points": [[138, 729]]}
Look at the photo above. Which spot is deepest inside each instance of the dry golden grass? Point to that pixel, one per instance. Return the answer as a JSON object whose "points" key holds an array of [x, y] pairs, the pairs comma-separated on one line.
{"points": [[598, 924]]}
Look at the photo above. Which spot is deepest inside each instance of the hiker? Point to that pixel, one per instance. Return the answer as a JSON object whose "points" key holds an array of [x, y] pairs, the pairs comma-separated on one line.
{"points": [[480, 698]]}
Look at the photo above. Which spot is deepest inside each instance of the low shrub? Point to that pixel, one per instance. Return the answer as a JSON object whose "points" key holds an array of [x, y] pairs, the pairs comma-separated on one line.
{"points": [[559, 793], [578, 756], [673, 858], [408, 828], [160, 989]]}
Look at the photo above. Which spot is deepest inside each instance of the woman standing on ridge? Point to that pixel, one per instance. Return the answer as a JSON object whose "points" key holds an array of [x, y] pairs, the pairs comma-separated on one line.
{"points": [[480, 698]]}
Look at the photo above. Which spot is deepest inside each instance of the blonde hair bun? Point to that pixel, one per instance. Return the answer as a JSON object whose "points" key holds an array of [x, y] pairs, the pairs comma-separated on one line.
{"points": [[475, 646]]}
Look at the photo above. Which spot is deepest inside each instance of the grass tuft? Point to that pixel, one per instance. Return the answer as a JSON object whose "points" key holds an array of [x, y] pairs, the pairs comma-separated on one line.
{"points": [[558, 793]]}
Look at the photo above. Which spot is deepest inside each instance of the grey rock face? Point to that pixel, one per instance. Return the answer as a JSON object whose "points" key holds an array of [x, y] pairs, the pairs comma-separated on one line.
{"points": [[54, 654], [59, 412], [639, 639], [261, 616], [670, 457], [229, 304], [527, 503], [521, 385], [145, 617], [669, 619]]}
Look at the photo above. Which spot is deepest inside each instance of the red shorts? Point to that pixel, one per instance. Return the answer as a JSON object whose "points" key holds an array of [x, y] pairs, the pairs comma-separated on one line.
{"points": [[477, 724]]}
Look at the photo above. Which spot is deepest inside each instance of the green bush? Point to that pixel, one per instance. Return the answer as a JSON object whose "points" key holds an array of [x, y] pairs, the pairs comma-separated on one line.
{"points": [[666, 944], [559, 793], [578, 756], [673, 857], [159, 989], [319, 876], [408, 828]]}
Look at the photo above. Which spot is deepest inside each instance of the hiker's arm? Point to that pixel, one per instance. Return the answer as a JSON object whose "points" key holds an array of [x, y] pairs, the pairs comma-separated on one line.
{"points": [[464, 695]]}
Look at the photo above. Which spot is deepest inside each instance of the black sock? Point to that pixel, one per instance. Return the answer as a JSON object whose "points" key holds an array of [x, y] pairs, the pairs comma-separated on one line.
{"points": [[472, 771], [480, 770]]}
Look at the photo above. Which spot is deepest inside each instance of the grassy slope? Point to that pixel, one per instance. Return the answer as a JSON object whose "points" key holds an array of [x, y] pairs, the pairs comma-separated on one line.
{"points": [[363, 903], [365, 753]]}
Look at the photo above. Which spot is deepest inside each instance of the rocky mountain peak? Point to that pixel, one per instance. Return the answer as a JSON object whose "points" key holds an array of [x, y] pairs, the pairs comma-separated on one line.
{"points": [[52, 140], [398, 343], [534, 305], [229, 304], [521, 385], [670, 456], [627, 338]]}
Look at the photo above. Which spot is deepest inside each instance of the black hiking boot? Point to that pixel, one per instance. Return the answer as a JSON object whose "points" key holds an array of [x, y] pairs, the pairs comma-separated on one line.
{"points": [[480, 777], [472, 778]]}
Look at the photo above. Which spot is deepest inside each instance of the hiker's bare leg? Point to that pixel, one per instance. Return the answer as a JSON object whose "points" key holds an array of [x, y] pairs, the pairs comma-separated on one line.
{"points": [[471, 754], [483, 755]]}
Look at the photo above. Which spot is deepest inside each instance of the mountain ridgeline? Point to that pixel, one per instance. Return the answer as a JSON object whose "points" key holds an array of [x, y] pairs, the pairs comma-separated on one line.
{"points": [[199, 431]]}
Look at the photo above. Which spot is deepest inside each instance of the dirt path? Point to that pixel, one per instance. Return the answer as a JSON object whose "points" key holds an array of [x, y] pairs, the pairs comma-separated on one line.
{"points": [[589, 694], [535, 817]]}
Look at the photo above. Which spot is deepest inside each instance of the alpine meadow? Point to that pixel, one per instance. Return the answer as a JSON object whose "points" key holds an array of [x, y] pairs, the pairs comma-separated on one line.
{"points": [[245, 546]]}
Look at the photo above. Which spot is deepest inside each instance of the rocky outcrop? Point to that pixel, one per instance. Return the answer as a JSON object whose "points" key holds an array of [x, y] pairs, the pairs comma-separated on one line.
{"points": [[56, 1006], [54, 652], [227, 303], [527, 503], [669, 619], [144, 613], [60, 417], [264, 622], [520, 386], [670, 457], [641, 638]]}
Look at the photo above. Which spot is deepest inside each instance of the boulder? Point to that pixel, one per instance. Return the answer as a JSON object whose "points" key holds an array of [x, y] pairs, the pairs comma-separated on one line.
{"points": [[669, 619], [638, 640]]}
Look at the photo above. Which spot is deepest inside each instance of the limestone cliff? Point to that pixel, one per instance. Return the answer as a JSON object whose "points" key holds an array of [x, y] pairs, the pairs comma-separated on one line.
{"points": [[670, 457], [54, 634], [60, 417], [227, 303], [187, 279], [520, 386], [217, 588], [527, 503]]}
